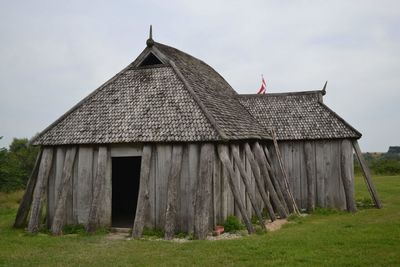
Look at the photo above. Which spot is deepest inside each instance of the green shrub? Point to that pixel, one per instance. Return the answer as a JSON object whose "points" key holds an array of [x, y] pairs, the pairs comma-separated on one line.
{"points": [[232, 224], [74, 229], [153, 232]]}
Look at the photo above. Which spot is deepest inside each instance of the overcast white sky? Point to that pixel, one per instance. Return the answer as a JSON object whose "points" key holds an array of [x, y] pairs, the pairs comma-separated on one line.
{"points": [[54, 53]]}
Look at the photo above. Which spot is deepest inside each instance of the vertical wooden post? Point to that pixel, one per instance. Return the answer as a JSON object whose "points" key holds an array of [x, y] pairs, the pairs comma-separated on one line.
{"points": [[246, 179], [25, 204], [348, 183], [223, 152], [259, 155], [40, 188], [172, 187], [203, 193], [144, 189], [63, 191], [283, 171], [259, 182], [310, 176], [98, 181], [367, 175]]}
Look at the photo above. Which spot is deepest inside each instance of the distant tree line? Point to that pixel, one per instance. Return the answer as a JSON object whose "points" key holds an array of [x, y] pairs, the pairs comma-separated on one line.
{"points": [[16, 164], [381, 163]]}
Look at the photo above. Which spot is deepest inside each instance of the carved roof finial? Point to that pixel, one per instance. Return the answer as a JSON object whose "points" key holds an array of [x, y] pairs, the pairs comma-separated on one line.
{"points": [[150, 41], [324, 89]]}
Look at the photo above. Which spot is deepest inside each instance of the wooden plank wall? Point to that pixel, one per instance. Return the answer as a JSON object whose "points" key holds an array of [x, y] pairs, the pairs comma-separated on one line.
{"points": [[329, 192]]}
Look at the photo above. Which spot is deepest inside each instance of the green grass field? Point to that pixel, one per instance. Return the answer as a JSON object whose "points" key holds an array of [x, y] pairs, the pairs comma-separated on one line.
{"points": [[370, 237]]}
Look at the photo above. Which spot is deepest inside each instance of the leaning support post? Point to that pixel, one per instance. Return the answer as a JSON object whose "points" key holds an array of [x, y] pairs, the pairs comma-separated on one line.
{"points": [[98, 190], [283, 171], [345, 166], [260, 184], [40, 188], [367, 175], [223, 152], [310, 176], [63, 191], [274, 177], [24, 206], [246, 180], [143, 199], [276, 199], [203, 192], [172, 191]]}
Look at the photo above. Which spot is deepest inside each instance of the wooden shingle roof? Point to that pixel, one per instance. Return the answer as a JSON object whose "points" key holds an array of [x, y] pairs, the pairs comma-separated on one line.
{"points": [[181, 100], [298, 116]]}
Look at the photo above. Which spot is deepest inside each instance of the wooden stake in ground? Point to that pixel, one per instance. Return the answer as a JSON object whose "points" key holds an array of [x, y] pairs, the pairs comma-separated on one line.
{"points": [[246, 180], [40, 188], [25, 205], [203, 193], [260, 184], [98, 181], [172, 188], [259, 155], [345, 167], [143, 199], [63, 191], [223, 152], [367, 175]]}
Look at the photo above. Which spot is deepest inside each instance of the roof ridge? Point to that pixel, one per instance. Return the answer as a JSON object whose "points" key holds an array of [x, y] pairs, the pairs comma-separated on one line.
{"points": [[283, 94], [198, 101]]}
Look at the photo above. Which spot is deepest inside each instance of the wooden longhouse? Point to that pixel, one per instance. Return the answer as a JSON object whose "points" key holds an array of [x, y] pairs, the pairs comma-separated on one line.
{"points": [[167, 143]]}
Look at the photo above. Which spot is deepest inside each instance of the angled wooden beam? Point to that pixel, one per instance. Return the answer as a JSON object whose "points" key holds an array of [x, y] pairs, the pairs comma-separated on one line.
{"points": [[246, 180], [25, 204], [308, 151], [259, 155], [223, 152], [144, 189], [259, 181], [284, 173], [98, 190], [172, 191], [367, 175], [63, 191], [40, 188]]}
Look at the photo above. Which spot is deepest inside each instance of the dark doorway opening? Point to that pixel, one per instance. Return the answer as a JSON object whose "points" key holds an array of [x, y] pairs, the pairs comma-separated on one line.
{"points": [[125, 190]]}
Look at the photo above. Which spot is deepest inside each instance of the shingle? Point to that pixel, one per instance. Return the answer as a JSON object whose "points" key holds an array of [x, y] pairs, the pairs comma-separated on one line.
{"points": [[296, 116]]}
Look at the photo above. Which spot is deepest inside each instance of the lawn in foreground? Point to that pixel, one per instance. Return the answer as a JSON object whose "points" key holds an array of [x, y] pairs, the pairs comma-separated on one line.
{"points": [[369, 237]]}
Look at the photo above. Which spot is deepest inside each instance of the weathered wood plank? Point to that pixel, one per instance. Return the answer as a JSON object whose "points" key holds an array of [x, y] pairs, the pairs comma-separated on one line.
{"points": [[223, 153], [184, 192], [84, 183], [224, 193], [150, 222], [40, 189], [98, 191], [217, 216], [63, 191], [348, 183], [172, 193], [25, 204], [246, 178], [296, 172], [106, 206], [144, 192], [164, 153], [203, 193], [310, 172], [367, 175], [259, 181], [51, 205], [194, 158], [75, 184], [320, 173]]}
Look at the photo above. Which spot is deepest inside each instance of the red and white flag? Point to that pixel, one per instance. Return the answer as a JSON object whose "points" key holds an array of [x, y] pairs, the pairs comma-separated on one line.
{"points": [[263, 85]]}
